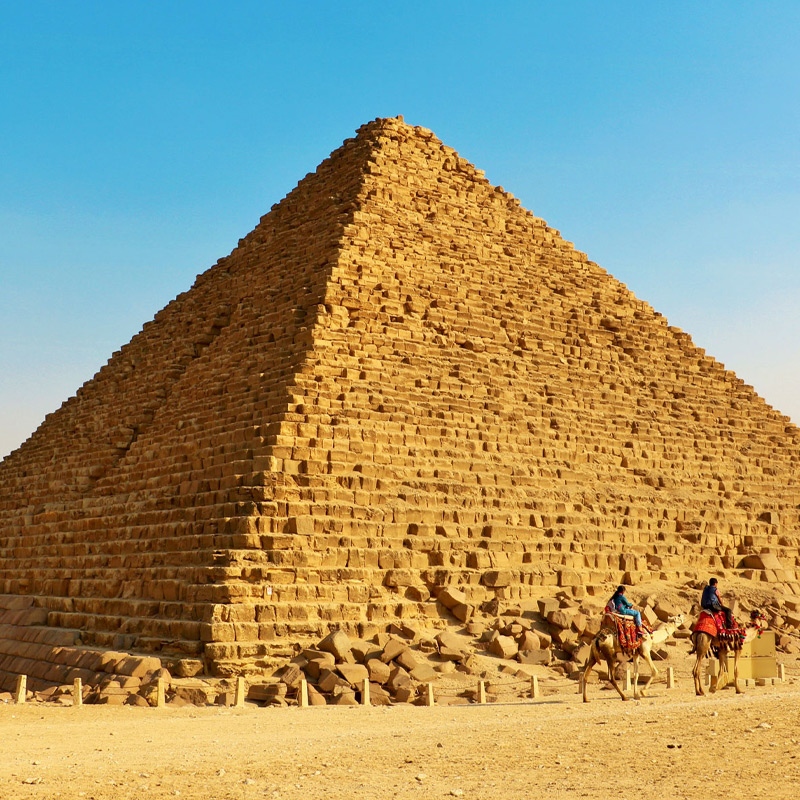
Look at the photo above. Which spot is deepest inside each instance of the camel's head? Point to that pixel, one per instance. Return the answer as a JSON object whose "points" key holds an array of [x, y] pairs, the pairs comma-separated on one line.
{"points": [[757, 618], [677, 620]]}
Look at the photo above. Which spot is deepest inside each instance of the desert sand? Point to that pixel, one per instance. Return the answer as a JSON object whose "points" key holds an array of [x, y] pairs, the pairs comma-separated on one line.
{"points": [[669, 745]]}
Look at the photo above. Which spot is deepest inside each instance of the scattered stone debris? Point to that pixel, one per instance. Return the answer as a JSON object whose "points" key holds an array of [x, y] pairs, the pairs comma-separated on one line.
{"points": [[482, 654]]}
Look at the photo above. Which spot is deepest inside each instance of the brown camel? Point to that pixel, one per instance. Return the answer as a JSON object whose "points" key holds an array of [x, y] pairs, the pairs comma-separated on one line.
{"points": [[606, 647], [703, 643]]}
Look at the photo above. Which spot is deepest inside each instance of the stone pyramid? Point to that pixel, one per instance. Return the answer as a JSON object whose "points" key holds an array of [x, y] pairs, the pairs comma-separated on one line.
{"points": [[399, 381]]}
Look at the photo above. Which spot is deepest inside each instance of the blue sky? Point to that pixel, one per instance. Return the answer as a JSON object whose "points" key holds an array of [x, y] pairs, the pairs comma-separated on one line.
{"points": [[139, 141]]}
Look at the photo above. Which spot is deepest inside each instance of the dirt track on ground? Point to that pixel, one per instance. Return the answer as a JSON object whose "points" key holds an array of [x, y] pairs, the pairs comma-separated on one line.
{"points": [[671, 745]]}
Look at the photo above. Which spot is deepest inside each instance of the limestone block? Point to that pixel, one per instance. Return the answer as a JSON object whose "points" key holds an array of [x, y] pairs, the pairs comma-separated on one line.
{"points": [[664, 610], [762, 561], [503, 646], [402, 630], [378, 695], [392, 649], [463, 611], [187, 667], [581, 653], [547, 606], [329, 679], [401, 577], [579, 622], [560, 618], [450, 641], [424, 673], [569, 578], [407, 659], [377, 670], [367, 631], [291, 675], [354, 674], [264, 692], [137, 700], [398, 677], [451, 597], [363, 650], [649, 616], [338, 643], [528, 640], [200, 695], [315, 666], [497, 578], [301, 525], [344, 696], [405, 693], [112, 696], [535, 656], [567, 639]]}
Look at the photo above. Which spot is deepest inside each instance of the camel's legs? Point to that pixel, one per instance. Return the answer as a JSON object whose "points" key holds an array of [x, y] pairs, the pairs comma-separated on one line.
{"points": [[610, 664], [736, 671], [590, 662], [701, 645], [645, 651], [722, 678], [697, 670]]}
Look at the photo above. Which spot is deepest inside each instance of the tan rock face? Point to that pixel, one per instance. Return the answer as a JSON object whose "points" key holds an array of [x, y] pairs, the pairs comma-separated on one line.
{"points": [[401, 396]]}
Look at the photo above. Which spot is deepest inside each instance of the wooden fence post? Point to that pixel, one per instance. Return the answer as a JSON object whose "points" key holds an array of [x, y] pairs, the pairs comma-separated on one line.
{"points": [[429, 698], [365, 698], [21, 691], [238, 699], [534, 686], [77, 692]]}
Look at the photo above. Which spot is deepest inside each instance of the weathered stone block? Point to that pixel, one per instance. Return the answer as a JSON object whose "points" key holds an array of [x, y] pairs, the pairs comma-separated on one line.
{"points": [[354, 674], [378, 671], [503, 646], [337, 643], [497, 578], [451, 597], [534, 656]]}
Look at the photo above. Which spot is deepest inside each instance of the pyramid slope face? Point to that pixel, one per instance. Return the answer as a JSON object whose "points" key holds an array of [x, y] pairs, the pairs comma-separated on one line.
{"points": [[399, 380]]}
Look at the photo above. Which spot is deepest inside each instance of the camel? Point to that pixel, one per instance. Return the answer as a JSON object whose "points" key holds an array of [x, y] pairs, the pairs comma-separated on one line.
{"points": [[606, 647], [703, 642]]}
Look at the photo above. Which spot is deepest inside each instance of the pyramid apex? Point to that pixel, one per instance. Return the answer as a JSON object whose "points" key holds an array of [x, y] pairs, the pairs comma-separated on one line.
{"points": [[395, 125]]}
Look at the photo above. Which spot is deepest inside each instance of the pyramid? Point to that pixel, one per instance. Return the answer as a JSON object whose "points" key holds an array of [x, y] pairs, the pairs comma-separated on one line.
{"points": [[399, 381]]}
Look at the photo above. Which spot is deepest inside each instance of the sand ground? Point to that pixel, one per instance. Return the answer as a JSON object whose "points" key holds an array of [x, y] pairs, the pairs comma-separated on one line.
{"points": [[670, 745]]}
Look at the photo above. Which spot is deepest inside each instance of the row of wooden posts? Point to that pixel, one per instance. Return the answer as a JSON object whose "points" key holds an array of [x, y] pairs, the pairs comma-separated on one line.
{"points": [[241, 689], [21, 691]]}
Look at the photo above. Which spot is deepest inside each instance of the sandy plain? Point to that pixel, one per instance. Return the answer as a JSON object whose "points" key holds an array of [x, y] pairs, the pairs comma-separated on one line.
{"points": [[669, 745]]}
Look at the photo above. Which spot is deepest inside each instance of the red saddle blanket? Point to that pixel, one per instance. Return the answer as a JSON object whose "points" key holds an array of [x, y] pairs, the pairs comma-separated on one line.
{"points": [[714, 625], [625, 628]]}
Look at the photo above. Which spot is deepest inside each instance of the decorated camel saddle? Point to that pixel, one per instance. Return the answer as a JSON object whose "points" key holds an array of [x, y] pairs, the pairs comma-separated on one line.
{"points": [[625, 628], [713, 623]]}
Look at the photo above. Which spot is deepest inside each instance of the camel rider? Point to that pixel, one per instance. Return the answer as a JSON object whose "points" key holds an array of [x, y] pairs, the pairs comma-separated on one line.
{"points": [[710, 601], [620, 604]]}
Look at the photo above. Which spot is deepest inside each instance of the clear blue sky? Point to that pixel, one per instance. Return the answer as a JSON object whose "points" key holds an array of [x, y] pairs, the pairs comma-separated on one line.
{"points": [[139, 141]]}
